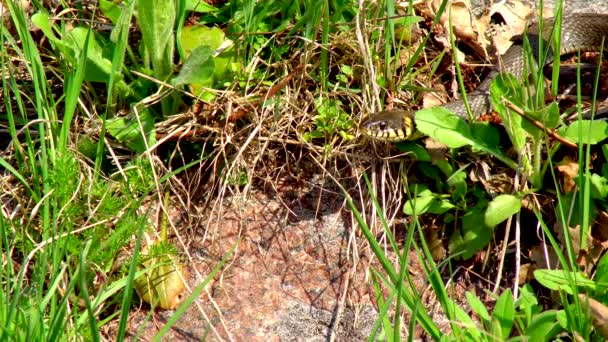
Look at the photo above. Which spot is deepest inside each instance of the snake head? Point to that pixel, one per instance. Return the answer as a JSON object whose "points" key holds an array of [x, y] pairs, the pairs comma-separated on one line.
{"points": [[390, 125]]}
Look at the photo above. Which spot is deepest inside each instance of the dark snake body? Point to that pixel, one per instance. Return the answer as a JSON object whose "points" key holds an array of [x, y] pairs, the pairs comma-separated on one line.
{"points": [[579, 32]]}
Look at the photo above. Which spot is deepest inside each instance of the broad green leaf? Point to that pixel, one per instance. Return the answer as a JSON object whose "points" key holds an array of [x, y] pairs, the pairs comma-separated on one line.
{"points": [[445, 166], [503, 315], [43, 22], [425, 201], [560, 280], [127, 130], [601, 274], [199, 6], [453, 131], [110, 9], [440, 206], [420, 189], [418, 205], [462, 317], [156, 21], [563, 320], [223, 55], [487, 133], [507, 86], [548, 116], [458, 185], [478, 307], [527, 303], [501, 208], [200, 35], [473, 236], [593, 132], [413, 148], [443, 126], [544, 326], [198, 68], [599, 187], [98, 68]]}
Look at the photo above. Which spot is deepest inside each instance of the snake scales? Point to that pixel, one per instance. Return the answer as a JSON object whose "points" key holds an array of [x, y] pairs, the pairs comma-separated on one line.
{"points": [[579, 32]]}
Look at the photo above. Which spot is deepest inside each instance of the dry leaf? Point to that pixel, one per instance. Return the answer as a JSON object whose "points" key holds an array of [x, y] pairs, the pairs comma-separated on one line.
{"points": [[568, 169], [163, 286], [435, 244], [542, 260], [516, 16], [590, 256], [526, 273], [599, 312], [435, 98], [437, 150], [464, 25]]}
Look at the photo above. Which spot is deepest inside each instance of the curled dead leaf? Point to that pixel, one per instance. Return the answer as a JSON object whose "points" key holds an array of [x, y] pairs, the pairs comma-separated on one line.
{"points": [[163, 286], [568, 169], [599, 312], [515, 17]]}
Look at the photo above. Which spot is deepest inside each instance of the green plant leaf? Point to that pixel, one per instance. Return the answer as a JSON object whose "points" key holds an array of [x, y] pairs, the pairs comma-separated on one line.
{"points": [[453, 131], [331, 118], [473, 236], [418, 205], [194, 38], [110, 10], [200, 35], [156, 21], [426, 202], [593, 132], [413, 148], [445, 127], [199, 6], [507, 86], [487, 133], [527, 303], [599, 187], [544, 326], [503, 315], [548, 116], [198, 68], [458, 185], [560, 280], [478, 307], [127, 130], [98, 68], [601, 274], [501, 208]]}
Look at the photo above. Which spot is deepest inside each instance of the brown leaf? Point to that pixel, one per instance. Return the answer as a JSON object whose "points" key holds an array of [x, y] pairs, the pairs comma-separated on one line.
{"points": [[526, 273], [537, 255], [465, 26], [599, 312], [435, 244], [515, 16], [568, 169]]}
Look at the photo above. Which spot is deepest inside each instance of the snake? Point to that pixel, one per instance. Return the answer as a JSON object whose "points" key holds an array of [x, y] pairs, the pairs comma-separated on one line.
{"points": [[584, 32]]}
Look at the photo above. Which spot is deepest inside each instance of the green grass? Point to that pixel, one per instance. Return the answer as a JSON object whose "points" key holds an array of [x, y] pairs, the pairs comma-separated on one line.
{"points": [[103, 130]]}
